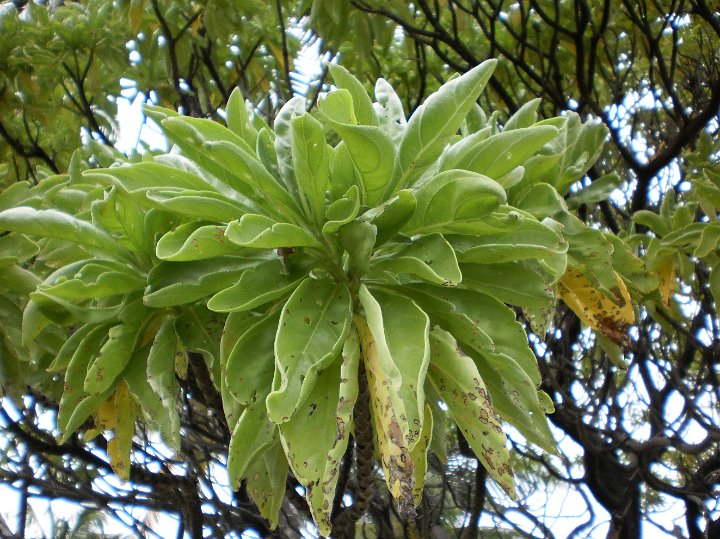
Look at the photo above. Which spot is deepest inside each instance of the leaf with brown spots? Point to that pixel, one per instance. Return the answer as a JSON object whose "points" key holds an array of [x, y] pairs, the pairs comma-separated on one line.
{"points": [[610, 316], [458, 382]]}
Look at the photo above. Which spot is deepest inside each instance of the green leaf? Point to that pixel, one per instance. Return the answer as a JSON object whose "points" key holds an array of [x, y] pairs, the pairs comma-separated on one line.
{"points": [[458, 382], [148, 175], [229, 158], [283, 141], [261, 232], [73, 392], [160, 409], [237, 118], [524, 117], [312, 168], [312, 329], [429, 257], [499, 154], [257, 286], [598, 191], [250, 365], [55, 224], [362, 104], [390, 113], [358, 239], [391, 216], [266, 482], [371, 150], [200, 205], [342, 211], [16, 248], [326, 413], [96, 279], [510, 282], [159, 373], [200, 330], [531, 239], [454, 198], [116, 352], [65, 354], [195, 241], [400, 332], [253, 434], [179, 283], [434, 122]]}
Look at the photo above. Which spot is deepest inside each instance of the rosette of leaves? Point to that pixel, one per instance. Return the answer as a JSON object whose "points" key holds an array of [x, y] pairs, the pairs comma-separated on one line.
{"points": [[364, 266]]}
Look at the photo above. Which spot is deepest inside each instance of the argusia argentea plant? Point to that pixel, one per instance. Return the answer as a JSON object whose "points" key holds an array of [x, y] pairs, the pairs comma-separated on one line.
{"points": [[363, 286]]}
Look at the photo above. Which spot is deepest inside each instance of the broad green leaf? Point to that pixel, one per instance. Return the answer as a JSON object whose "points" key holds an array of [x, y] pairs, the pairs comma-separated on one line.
{"points": [[391, 215], [252, 436], [515, 398], [358, 239], [16, 248], [313, 327], [148, 175], [65, 354], [201, 205], [283, 141], [266, 478], [458, 382], [454, 198], [55, 224], [18, 280], [343, 173], [429, 257], [499, 154], [326, 413], [370, 148], [73, 392], [116, 352], [250, 365], [96, 280], [511, 282], [389, 111], [524, 117], [531, 239], [598, 191], [195, 241], [232, 162], [261, 232], [237, 118], [199, 330], [341, 211], [311, 165], [257, 286], [118, 214], [362, 104], [179, 283], [265, 149], [454, 153], [159, 373], [434, 122]]}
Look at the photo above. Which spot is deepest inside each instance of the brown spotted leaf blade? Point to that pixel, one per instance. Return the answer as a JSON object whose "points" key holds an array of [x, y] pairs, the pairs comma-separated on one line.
{"points": [[419, 454], [457, 381], [611, 317], [316, 437], [266, 477], [313, 327], [391, 405]]}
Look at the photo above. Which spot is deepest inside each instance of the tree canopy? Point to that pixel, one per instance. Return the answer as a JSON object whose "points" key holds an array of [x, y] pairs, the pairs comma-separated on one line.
{"points": [[470, 271]]}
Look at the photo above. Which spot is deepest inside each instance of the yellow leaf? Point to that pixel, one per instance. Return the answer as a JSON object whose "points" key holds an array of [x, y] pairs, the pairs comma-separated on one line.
{"points": [[666, 272], [611, 317], [118, 413], [395, 456]]}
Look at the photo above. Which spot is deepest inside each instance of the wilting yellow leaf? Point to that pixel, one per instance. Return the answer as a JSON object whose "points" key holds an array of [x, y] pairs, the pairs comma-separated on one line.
{"points": [[117, 413], [611, 317], [395, 456], [666, 272]]}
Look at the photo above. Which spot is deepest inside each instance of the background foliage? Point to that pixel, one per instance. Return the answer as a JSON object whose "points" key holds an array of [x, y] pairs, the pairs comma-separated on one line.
{"points": [[638, 430]]}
